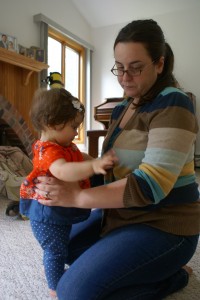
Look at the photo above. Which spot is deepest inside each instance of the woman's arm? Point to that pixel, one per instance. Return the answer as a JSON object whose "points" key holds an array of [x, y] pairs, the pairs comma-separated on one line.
{"points": [[70, 194]]}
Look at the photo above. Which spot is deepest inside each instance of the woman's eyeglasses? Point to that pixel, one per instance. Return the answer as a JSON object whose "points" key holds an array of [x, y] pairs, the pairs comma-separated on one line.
{"points": [[119, 71]]}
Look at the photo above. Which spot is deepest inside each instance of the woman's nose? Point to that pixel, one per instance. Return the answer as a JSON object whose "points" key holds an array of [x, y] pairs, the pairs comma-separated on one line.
{"points": [[126, 75]]}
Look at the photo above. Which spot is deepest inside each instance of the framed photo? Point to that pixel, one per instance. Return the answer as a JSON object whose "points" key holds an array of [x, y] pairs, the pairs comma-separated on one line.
{"points": [[8, 42], [30, 53], [40, 55], [22, 50]]}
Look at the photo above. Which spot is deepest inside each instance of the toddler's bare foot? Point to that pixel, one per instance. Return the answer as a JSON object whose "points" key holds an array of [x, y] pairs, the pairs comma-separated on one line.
{"points": [[52, 293], [188, 269]]}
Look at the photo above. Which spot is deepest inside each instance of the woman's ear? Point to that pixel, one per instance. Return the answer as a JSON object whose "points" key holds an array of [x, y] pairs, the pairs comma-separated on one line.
{"points": [[160, 64]]}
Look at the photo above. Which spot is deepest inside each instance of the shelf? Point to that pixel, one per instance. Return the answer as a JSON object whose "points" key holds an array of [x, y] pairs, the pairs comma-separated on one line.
{"points": [[30, 65]]}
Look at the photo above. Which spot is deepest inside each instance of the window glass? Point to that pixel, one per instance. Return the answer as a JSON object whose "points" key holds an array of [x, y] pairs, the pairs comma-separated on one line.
{"points": [[67, 57], [72, 71], [54, 55]]}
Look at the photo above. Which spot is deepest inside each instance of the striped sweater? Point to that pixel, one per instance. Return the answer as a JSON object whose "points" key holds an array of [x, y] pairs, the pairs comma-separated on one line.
{"points": [[156, 154]]}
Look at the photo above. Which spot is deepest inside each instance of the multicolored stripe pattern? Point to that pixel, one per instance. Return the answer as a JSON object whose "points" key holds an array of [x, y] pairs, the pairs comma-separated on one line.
{"points": [[157, 147]]}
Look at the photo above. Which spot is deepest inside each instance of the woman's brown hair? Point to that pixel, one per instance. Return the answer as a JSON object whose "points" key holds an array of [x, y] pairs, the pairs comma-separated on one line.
{"points": [[149, 33]]}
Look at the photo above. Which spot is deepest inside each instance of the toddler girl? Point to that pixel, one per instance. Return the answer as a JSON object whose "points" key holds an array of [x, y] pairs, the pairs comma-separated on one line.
{"points": [[57, 115]]}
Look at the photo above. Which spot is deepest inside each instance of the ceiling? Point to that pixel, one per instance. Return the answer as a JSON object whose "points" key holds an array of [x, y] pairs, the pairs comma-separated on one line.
{"points": [[99, 13]]}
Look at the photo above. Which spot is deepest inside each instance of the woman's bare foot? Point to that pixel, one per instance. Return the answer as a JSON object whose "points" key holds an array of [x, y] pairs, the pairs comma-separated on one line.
{"points": [[52, 293], [188, 269]]}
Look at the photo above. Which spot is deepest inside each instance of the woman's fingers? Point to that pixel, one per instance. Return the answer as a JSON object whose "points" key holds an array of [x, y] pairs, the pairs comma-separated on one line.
{"points": [[55, 192], [47, 202]]}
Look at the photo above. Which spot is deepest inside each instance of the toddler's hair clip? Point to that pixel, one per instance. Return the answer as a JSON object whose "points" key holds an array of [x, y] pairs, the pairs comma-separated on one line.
{"points": [[77, 105]]}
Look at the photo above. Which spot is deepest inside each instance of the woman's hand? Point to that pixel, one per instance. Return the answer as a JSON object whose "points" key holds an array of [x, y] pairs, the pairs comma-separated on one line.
{"points": [[69, 194], [57, 192]]}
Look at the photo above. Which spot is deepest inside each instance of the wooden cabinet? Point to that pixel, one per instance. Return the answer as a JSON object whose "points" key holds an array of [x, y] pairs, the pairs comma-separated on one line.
{"points": [[19, 78]]}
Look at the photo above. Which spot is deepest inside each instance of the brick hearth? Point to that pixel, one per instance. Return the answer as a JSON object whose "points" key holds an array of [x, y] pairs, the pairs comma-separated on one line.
{"points": [[13, 128]]}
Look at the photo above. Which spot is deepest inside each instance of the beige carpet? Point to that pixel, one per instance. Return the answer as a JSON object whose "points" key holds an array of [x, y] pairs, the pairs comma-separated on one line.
{"points": [[21, 273]]}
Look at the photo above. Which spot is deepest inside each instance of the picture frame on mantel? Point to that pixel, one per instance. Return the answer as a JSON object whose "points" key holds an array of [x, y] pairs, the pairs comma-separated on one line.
{"points": [[22, 50], [30, 53], [40, 55], [8, 42]]}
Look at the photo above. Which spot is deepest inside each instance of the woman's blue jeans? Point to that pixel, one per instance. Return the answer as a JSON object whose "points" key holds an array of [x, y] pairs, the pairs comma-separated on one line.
{"points": [[135, 262]]}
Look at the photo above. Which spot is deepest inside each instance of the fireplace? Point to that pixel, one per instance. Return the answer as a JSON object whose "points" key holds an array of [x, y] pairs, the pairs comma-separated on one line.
{"points": [[19, 78]]}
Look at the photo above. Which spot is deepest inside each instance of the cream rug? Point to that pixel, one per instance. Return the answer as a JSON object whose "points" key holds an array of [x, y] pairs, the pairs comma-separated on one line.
{"points": [[21, 272]]}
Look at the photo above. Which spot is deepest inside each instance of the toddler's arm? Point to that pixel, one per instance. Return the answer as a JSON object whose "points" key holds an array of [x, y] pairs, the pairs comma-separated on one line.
{"points": [[86, 156], [74, 171]]}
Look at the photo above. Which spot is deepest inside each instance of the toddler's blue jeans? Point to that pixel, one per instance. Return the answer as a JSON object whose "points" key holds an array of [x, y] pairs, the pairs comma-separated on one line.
{"points": [[135, 262]]}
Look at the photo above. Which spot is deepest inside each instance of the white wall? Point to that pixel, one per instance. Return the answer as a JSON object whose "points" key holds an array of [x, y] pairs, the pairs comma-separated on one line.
{"points": [[181, 31], [16, 19]]}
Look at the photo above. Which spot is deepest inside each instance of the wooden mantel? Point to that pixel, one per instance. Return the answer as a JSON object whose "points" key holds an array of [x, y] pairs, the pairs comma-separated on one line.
{"points": [[22, 61], [19, 79]]}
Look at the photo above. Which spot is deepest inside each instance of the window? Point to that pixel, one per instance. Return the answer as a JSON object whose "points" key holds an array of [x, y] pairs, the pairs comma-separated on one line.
{"points": [[68, 58]]}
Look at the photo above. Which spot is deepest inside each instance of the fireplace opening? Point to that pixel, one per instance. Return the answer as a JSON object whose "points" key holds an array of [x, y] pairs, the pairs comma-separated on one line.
{"points": [[13, 129]]}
